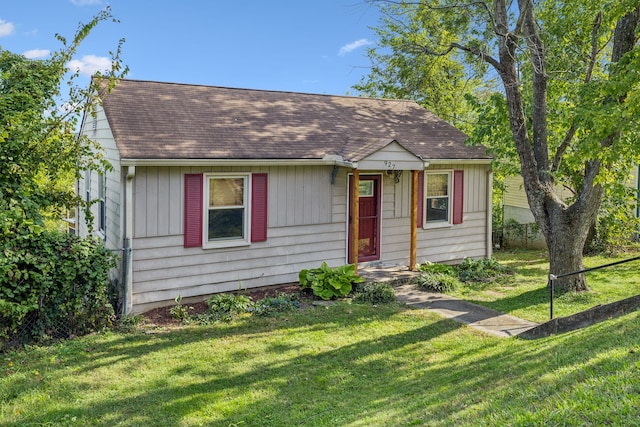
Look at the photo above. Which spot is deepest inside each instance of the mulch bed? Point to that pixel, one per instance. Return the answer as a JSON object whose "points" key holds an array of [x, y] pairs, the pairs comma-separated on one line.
{"points": [[161, 316]]}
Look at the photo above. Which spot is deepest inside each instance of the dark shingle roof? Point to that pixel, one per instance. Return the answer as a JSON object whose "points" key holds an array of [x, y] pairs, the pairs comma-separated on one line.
{"points": [[152, 120]]}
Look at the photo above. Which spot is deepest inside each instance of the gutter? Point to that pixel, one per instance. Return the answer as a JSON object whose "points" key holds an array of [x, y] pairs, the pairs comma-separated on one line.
{"points": [[329, 160]]}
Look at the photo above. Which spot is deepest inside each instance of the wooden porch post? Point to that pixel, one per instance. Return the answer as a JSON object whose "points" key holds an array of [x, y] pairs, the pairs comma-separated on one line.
{"points": [[355, 217], [414, 220]]}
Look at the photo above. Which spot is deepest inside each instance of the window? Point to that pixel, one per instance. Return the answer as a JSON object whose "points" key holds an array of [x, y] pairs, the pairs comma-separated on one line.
{"points": [[443, 198], [437, 197], [226, 208], [87, 185], [102, 204]]}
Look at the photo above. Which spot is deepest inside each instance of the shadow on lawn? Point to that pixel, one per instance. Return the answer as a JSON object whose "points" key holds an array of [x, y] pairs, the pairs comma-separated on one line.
{"points": [[448, 379]]}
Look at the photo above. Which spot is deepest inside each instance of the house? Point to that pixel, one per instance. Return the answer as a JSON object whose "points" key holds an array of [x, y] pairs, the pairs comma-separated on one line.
{"points": [[215, 189], [519, 228]]}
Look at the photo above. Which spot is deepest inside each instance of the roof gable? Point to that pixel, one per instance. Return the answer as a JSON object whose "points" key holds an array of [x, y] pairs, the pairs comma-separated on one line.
{"points": [[152, 120]]}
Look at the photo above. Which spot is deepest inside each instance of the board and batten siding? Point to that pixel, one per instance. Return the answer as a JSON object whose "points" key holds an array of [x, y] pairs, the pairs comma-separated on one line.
{"points": [[445, 244], [307, 225], [300, 234]]}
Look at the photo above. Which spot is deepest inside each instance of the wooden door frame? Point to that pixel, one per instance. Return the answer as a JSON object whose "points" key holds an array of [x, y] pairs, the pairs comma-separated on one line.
{"points": [[352, 180]]}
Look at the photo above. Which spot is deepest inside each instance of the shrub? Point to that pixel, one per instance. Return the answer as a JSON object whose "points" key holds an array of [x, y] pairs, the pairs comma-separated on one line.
{"points": [[433, 267], [180, 311], [281, 303], [374, 293], [472, 270], [53, 284], [327, 282], [437, 281], [227, 306]]}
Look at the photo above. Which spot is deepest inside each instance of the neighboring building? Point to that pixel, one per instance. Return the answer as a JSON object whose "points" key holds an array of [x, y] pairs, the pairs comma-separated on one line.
{"points": [[215, 189], [519, 226]]}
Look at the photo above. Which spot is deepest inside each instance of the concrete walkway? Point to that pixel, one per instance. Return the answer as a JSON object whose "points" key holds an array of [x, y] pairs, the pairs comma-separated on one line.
{"points": [[476, 316]]}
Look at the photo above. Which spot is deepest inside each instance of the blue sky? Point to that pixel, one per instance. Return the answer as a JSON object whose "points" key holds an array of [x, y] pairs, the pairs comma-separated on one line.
{"points": [[291, 45]]}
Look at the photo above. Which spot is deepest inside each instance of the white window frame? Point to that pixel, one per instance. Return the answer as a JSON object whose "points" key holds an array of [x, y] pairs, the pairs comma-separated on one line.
{"points": [[449, 221], [102, 205], [230, 242]]}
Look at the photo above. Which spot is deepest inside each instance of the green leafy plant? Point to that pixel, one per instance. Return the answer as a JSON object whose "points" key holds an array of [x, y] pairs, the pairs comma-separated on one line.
{"points": [[281, 303], [433, 267], [226, 307], [374, 293], [180, 311], [52, 284], [437, 281], [327, 282], [478, 270]]}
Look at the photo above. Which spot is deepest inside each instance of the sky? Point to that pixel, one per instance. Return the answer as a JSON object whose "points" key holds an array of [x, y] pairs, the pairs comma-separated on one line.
{"points": [[310, 46]]}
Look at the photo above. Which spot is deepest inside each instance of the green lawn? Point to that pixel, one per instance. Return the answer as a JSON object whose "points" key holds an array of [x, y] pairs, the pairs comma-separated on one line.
{"points": [[347, 365], [525, 294]]}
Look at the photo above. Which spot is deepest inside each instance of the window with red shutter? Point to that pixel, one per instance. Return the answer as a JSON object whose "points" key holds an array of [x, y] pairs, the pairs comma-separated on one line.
{"points": [[442, 198], [219, 213]]}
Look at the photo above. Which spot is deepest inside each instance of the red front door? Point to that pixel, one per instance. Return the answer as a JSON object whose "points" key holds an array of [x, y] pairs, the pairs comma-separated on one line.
{"points": [[369, 223]]}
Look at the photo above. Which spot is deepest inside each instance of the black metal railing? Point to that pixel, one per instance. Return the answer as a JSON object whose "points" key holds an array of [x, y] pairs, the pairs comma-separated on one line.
{"points": [[553, 277]]}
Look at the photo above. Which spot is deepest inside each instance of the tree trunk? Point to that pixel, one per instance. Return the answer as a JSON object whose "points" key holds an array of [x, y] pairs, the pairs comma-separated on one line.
{"points": [[566, 237]]}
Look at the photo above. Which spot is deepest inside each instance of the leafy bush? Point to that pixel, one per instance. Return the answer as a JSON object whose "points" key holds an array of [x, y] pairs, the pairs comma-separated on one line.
{"points": [[179, 311], [472, 270], [374, 293], [433, 267], [268, 306], [437, 281], [52, 284], [227, 306], [327, 282]]}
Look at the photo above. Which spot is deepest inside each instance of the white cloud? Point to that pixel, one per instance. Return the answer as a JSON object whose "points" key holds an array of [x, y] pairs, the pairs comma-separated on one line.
{"points": [[84, 2], [353, 46], [6, 28], [89, 64], [36, 53]]}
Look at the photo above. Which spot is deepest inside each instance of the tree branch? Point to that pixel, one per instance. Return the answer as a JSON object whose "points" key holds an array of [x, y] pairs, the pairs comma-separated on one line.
{"points": [[562, 148]]}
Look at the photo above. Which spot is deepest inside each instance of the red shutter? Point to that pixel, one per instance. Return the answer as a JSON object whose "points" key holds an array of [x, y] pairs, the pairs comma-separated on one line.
{"points": [[192, 210], [258, 207], [458, 196], [420, 219]]}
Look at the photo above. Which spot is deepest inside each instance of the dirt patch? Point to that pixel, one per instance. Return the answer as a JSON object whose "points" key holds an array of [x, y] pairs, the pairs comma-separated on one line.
{"points": [[161, 317]]}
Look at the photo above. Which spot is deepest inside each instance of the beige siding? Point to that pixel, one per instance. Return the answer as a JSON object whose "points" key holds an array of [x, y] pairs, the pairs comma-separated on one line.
{"points": [[447, 244], [163, 269], [101, 133], [514, 194], [307, 225], [297, 196]]}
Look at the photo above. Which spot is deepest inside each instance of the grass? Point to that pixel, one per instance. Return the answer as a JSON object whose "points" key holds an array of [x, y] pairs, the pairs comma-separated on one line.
{"points": [[525, 294], [347, 365]]}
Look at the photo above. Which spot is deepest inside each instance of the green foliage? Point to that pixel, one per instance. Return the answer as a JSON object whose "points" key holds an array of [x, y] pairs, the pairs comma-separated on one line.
{"points": [[403, 68], [180, 311], [327, 282], [53, 284], [437, 281], [281, 303], [40, 152], [479, 270], [434, 267], [226, 307], [374, 293], [446, 278]]}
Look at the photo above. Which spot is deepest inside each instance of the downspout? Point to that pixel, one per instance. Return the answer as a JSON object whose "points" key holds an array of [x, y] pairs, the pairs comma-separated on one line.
{"points": [[489, 213], [128, 234]]}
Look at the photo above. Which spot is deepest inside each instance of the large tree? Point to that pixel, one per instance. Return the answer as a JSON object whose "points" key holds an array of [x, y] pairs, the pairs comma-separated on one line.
{"points": [[40, 152], [569, 76]]}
